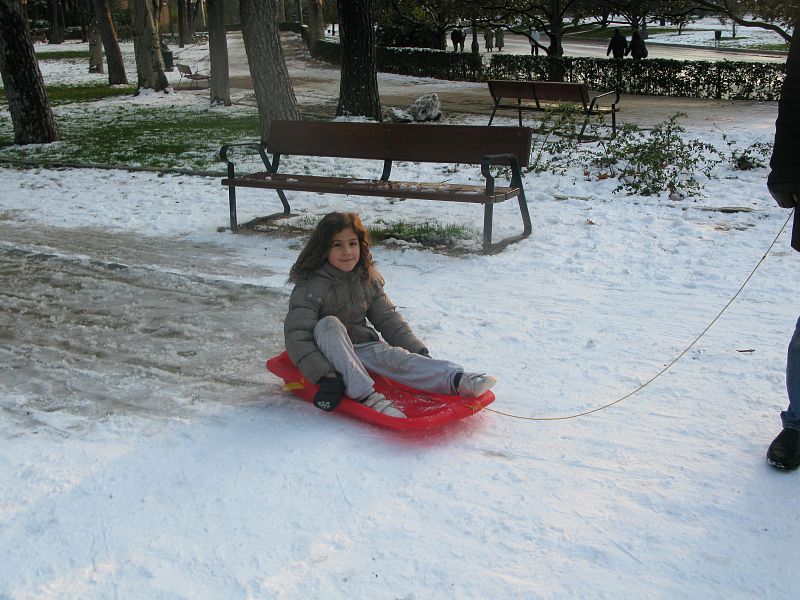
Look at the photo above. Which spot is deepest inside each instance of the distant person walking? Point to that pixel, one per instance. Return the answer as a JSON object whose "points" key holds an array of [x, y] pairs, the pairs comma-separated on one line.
{"points": [[618, 45], [499, 39], [488, 37], [535, 36], [637, 48], [457, 37]]}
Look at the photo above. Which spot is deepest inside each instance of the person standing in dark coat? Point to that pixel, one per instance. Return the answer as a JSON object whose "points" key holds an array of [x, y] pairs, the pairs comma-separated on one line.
{"points": [[618, 45], [784, 185], [637, 48], [457, 37]]}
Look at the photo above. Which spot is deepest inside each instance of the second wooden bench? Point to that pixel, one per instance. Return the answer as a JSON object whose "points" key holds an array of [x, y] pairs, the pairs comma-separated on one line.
{"points": [[542, 95]]}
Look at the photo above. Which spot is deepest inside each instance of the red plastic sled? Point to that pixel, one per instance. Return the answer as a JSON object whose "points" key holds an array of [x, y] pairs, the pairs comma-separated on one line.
{"points": [[424, 410]]}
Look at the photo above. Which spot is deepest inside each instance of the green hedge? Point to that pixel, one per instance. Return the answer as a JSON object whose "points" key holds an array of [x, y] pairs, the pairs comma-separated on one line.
{"points": [[734, 80]]}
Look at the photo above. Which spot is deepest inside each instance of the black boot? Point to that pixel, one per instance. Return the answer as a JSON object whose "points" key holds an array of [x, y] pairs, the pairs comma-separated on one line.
{"points": [[784, 451]]}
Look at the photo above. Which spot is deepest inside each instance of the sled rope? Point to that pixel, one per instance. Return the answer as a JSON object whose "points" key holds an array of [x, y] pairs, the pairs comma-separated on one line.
{"points": [[672, 362]]}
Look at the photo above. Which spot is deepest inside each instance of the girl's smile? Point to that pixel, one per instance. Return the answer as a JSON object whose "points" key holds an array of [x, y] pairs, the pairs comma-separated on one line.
{"points": [[345, 251]]}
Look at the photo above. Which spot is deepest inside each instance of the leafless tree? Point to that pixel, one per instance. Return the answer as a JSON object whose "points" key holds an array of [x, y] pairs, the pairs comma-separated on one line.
{"points": [[262, 43], [31, 116]]}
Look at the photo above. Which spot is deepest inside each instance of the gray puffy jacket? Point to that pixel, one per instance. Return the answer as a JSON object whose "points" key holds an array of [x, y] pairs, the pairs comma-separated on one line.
{"points": [[351, 299]]}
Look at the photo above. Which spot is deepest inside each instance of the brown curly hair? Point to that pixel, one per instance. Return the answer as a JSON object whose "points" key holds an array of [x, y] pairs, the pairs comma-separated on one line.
{"points": [[315, 252]]}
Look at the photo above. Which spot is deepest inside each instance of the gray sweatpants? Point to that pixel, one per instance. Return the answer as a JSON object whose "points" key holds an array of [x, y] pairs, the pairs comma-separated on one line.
{"points": [[353, 362]]}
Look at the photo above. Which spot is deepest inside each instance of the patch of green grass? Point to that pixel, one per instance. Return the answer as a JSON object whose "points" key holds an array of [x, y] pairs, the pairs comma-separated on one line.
{"points": [[781, 47], [62, 54], [429, 233], [68, 94], [124, 135]]}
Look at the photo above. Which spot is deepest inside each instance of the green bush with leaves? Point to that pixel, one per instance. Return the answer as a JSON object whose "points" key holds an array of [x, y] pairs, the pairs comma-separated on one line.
{"points": [[650, 162], [645, 162]]}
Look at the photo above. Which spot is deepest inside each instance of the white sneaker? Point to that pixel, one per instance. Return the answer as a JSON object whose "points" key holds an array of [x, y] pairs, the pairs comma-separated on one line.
{"points": [[379, 402], [473, 385]]}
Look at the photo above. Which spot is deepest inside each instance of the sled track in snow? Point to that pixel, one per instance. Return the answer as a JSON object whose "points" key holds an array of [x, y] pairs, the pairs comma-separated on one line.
{"points": [[97, 324]]}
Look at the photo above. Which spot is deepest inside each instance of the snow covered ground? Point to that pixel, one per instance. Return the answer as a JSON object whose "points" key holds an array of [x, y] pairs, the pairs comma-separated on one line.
{"points": [[701, 33], [147, 453]]}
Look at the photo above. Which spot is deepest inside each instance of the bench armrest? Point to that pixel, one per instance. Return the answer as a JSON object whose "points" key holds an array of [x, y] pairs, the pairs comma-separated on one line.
{"points": [[223, 153], [500, 159], [593, 103]]}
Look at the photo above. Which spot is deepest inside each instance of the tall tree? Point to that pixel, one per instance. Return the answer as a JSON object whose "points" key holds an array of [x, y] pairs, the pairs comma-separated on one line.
{"points": [[149, 62], [555, 18], [262, 43], [218, 51], [358, 87], [183, 23], [55, 22], [316, 24], [108, 33], [31, 116], [95, 43]]}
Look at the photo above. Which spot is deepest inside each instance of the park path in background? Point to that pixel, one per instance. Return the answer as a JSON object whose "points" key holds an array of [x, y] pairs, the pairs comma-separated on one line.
{"points": [[316, 86]]}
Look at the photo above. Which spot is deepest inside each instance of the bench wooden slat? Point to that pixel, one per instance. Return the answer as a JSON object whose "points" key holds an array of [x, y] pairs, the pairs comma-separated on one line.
{"points": [[451, 192], [466, 144]]}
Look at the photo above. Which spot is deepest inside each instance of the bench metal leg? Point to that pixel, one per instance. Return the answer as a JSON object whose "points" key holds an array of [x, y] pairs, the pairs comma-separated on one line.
{"points": [[494, 110], [232, 204], [488, 213], [585, 123]]}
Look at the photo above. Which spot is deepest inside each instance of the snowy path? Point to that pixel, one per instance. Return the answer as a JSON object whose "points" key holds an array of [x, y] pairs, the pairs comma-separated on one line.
{"points": [[134, 316]]}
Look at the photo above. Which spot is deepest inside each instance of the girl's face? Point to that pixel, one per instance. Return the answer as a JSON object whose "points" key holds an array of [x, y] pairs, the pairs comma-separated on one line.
{"points": [[345, 251]]}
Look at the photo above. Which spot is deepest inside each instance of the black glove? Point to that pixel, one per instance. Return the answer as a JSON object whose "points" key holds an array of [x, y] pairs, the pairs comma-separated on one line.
{"points": [[331, 390]]}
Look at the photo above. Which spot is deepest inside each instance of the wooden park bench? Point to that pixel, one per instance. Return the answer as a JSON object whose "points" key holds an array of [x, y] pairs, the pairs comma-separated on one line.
{"points": [[193, 76], [475, 145], [543, 95]]}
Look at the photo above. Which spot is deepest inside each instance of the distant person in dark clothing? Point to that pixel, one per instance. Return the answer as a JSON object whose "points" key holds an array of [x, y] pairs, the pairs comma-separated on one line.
{"points": [[618, 45], [637, 49], [488, 37], [535, 36], [457, 37]]}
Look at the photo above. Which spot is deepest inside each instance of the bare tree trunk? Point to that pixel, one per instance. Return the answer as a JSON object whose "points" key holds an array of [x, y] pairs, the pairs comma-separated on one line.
{"points": [[108, 33], [281, 11], [298, 7], [149, 63], [183, 23], [95, 43], [358, 88], [262, 42], [218, 51], [316, 24], [31, 116], [55, 20], [202, 15], [164, 17]]}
